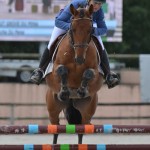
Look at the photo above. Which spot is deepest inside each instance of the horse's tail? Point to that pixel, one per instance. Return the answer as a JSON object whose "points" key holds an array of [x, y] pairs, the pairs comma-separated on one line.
{"points": [[73, 115]]}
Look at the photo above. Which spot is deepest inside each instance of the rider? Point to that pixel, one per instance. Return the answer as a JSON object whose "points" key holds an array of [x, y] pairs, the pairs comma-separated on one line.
{"points": [[62, 24]]}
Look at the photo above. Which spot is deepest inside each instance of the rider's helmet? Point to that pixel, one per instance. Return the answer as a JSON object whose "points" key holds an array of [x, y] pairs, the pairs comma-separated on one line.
{"points": [[98, 1], [103, 1]]}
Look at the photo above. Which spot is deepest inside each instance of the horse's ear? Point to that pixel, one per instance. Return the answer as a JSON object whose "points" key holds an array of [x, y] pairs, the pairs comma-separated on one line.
{"points": [[73, 10], [88, 1], [91, 9]]}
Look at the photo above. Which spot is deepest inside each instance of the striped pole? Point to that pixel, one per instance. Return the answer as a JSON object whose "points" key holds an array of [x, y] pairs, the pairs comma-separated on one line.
{"points": [[72, 129], [75, 147]]}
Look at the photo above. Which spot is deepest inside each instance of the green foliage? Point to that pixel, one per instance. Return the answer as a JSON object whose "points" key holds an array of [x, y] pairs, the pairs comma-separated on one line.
{"points": [[136, 27], [19, 47]]}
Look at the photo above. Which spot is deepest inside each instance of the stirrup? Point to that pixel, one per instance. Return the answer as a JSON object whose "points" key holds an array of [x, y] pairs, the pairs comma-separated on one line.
{"points": [[37, 76], [112, 80]]}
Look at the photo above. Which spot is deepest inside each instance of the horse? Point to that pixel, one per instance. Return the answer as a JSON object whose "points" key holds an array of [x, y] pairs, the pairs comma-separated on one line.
{"points": [[75, 78]]}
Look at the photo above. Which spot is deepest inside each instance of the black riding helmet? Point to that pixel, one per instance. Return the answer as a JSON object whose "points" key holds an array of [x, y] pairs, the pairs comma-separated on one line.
{"points": [[103, 1]]}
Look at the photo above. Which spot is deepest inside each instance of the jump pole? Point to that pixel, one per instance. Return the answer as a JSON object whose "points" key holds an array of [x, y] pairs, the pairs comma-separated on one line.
{"points": [[75, 147], [72, 129]]}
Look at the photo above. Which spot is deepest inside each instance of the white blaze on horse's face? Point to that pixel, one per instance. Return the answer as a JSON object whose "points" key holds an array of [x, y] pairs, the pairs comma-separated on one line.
{"points": [[80, 31]]}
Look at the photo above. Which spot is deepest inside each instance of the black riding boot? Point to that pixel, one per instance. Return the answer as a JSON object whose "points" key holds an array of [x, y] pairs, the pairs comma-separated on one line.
{"points": [[112, 79], [38, 74]]}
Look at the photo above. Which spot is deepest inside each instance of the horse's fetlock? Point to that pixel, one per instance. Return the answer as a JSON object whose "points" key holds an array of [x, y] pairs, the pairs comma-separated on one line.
{"points": [[64, 94], [64, 88], [84, 83], [81, 92]]}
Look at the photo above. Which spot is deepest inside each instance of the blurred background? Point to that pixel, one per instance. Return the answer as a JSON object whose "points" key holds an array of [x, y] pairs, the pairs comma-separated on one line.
{"points": [[25, 29]]}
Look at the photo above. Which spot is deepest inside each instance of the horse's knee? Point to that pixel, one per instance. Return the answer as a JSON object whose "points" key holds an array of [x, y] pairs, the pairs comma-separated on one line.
{"points": [[88, 74], [62, 70]]}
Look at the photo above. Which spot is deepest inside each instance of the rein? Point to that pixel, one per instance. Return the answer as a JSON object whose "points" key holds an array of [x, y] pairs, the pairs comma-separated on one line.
{"points": [[73, 44]]}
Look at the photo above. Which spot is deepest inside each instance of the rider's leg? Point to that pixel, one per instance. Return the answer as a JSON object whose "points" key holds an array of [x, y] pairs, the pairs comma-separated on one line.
{"points": [[38, 74], [111, 78]]}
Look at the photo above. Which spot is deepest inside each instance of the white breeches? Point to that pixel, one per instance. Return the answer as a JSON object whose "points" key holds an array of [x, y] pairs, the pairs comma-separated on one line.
{"points": [[57, 31]]}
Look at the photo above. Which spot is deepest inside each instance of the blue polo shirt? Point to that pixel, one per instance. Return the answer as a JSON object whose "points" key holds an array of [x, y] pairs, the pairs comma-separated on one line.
{"points": [[63, 18]]}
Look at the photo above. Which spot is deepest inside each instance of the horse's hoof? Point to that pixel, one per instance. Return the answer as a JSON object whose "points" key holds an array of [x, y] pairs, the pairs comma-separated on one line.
{"points": [[64, 96], [81, 93]]}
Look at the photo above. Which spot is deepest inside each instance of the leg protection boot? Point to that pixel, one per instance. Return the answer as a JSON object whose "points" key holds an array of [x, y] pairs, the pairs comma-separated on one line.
{"points": [[38, 74], [112, 79]]}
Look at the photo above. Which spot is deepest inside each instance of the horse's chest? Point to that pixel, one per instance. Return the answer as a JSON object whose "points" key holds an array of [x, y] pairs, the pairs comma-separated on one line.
{"points": [[76, 70]]}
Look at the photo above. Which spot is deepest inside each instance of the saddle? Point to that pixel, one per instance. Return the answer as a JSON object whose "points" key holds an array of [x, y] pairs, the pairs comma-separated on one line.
{"points": [[98, 45], [54, 46]]}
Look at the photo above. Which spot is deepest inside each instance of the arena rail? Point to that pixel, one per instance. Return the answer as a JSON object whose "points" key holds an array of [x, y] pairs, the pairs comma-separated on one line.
{"points": [[74, 129], [12, 106], [36, 56]]}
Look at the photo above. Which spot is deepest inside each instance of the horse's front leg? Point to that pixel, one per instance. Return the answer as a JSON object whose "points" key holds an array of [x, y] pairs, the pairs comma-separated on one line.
{"points": [[87, 76], [54, 108], [64, 93]]}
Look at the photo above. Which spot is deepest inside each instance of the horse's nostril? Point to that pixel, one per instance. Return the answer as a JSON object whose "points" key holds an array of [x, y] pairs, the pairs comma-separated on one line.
{"points": [[79, 60]]}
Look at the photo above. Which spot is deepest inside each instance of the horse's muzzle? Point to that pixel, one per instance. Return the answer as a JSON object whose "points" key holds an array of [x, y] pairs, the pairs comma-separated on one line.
{"points": [[79, 60]]}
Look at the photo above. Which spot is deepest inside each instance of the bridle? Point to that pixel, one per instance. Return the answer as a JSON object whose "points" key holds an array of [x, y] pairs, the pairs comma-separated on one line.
{"points": [[81, 45]]}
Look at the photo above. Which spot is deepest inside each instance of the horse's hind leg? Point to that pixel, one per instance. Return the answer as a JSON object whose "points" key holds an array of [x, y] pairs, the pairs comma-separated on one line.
{"points": [[64, 93], [80, 136], [87, 76], [55, 137]]}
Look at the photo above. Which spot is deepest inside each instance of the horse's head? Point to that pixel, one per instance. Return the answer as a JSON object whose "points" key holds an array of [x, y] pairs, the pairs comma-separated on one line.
{"points": [[80, 31]]}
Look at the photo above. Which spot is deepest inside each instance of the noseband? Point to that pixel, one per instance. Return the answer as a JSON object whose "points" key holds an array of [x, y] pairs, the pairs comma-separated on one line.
{"points": [[73, 44]]}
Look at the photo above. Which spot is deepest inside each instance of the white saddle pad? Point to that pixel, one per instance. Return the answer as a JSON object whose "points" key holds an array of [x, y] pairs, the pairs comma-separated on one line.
{"points": [[49, 69]]}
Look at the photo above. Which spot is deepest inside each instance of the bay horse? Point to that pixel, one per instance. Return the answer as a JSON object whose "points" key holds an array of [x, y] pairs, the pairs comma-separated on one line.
{"points": [[75, 79]]}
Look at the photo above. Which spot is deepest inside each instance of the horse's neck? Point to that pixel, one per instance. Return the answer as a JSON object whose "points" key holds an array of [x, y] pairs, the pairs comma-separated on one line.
{"points": [[66, 52], [65, 49]]}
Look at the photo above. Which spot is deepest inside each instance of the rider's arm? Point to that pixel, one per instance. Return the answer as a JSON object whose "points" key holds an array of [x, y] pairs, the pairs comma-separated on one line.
{"points": [[101, 28], [62, 20]]}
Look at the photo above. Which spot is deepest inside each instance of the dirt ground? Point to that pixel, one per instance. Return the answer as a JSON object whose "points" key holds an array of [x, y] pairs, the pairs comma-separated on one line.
{"points": [[72, 139]]}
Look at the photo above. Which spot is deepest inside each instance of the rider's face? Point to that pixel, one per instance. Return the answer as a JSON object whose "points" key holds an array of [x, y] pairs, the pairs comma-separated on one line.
{"points": [[96, 5]]}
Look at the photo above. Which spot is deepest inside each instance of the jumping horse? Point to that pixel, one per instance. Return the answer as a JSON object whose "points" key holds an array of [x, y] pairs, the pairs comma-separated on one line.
{"points": [[75, 79]]}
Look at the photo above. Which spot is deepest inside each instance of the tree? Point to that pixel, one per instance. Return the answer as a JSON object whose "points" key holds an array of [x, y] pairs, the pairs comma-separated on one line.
{"points": [[135, 30]]}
